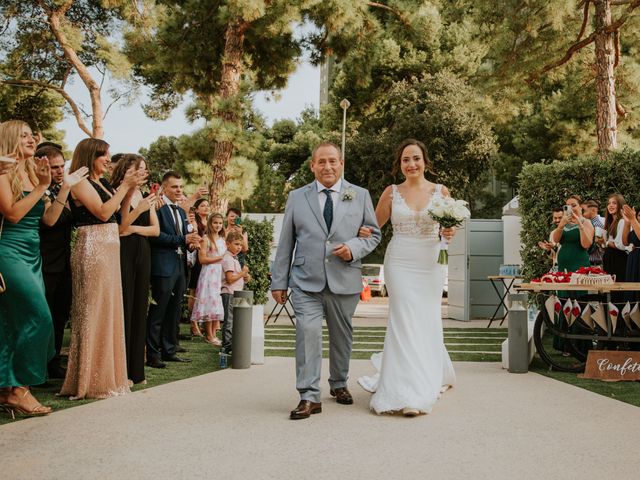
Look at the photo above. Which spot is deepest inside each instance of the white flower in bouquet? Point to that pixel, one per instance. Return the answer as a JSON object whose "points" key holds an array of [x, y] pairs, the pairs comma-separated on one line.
{"points": [[436, 208], [449, 213]]}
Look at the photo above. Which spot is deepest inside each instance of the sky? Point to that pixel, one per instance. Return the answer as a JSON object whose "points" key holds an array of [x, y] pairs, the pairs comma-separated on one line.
{"points": [[127, 128]]}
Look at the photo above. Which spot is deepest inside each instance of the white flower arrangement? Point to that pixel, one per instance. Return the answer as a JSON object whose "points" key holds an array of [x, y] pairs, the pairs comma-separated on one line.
{"points": [[449, 213], [348, 194]]}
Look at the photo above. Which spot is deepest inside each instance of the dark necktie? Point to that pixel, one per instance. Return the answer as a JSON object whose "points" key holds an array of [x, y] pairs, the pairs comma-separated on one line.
{"points": [[176, 222], [328, 208]]}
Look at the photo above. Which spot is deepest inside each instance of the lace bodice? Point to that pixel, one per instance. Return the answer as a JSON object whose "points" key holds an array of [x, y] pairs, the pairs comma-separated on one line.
{"points": [[408, 222]]}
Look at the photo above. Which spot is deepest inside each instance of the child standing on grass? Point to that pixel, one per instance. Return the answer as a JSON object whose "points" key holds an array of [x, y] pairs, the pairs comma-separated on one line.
{"points": [[208, 307], [233, 278]]}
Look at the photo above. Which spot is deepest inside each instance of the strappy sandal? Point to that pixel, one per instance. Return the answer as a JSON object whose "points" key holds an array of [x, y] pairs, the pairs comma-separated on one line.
{"points": [[21, 409]]}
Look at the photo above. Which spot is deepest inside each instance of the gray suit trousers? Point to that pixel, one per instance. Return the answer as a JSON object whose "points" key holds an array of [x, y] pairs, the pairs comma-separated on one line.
{"points": [[310, 308]]}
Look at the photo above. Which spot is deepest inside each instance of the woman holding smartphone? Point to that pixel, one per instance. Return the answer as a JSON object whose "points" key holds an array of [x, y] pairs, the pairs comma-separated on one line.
{"points": [[26, 327], [575, 234]]}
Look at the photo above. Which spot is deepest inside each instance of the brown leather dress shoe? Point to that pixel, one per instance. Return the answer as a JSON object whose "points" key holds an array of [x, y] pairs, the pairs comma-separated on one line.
{"points": [[305, 409], [342, 396]]}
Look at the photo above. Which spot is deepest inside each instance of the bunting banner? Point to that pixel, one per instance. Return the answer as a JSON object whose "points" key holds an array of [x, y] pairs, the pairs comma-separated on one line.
{"points": [[635, 314], [599, 316], [613, 314], [586, 316], [626, 315]]}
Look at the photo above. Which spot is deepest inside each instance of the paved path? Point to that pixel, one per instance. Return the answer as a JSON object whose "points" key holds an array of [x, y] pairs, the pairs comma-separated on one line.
{"points": [[233, 425]]}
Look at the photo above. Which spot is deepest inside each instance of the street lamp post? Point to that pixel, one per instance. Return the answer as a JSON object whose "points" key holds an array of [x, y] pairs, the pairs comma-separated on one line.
{"points": [[344, 104]]}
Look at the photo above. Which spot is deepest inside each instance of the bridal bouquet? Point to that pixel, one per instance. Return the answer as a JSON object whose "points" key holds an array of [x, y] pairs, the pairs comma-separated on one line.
{"points": [[448, 213]]}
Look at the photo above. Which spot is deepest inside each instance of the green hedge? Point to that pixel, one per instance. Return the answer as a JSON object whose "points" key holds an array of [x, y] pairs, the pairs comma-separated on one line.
{"points": [[260, 239], [545, 186]]}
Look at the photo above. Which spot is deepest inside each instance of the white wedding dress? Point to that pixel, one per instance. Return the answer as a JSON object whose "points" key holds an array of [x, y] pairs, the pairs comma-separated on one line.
{"points": [[414, 368]]}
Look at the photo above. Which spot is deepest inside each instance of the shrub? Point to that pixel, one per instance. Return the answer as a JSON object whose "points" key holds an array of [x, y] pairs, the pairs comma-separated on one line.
{"points": [[545, 186], [260, 239]]}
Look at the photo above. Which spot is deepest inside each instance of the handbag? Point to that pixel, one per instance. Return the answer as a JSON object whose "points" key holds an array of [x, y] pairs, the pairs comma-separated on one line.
{"points": [[3, 286]]}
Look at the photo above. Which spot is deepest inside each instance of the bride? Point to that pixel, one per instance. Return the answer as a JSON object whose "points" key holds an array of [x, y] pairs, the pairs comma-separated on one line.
{"points": [[414, 368]]}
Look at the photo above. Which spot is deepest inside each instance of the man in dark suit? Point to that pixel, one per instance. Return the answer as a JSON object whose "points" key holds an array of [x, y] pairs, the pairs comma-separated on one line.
{"points": [[55, 248], [168, 275]]}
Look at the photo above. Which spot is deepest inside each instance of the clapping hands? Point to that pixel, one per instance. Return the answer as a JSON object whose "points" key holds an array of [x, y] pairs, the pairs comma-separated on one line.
{"points": [[72, 179], [135, 177], [149, 202], [193, 240], [629, 213], [43, 171]]}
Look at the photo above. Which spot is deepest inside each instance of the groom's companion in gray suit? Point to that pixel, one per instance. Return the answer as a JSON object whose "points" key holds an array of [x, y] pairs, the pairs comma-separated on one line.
{"points": [[318, 258]]}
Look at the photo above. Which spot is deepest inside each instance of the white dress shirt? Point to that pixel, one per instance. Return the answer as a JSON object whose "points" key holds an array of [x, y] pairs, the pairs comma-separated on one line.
{"points": [[335, 193], [617, 240]]}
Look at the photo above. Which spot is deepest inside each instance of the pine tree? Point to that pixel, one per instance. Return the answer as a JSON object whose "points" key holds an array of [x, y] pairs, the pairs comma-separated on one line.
{"points": [[47, 42]]}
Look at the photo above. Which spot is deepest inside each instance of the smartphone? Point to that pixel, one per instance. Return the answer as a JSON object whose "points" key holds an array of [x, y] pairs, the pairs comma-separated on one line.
{"points": [[238, 221], [192, 209], [567, 210], [154, 188]]}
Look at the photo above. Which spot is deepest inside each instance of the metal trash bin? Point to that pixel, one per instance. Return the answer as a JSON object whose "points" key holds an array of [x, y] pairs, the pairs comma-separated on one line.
{"points": [[241, 329], [518, 333]]}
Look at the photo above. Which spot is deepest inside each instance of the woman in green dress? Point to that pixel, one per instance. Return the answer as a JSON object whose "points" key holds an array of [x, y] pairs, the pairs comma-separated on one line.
{"points": [[575, 234], [26, 329]]}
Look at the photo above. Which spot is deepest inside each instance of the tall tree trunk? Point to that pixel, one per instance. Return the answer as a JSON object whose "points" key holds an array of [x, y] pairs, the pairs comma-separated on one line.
{"points": [[229, 88], [55, 24], [606, 114]]}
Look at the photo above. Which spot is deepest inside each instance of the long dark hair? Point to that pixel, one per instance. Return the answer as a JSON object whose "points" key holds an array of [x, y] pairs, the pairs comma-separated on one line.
{"points": [[398, 156], [611, 221], [125, 162], [202, 226]]}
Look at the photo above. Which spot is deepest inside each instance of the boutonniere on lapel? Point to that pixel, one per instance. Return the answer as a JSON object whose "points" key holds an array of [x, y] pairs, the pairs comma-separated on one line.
{"points": [[348, 194]]}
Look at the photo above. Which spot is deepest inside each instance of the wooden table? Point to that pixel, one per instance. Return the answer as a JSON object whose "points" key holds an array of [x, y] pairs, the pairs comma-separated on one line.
{"points": [[608, 340], [566, 287], [507, 282]]}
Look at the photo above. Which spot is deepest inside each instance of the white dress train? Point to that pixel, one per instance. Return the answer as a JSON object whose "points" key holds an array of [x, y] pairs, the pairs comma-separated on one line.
{"points": [[414, 368]]}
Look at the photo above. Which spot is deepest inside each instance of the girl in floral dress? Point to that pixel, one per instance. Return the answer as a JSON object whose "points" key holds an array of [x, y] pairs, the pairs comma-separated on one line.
{"points": [[208, 305]]}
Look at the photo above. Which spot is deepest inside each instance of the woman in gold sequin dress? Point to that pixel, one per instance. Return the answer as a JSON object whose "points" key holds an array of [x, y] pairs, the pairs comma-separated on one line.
{"points": [[97, 365]]}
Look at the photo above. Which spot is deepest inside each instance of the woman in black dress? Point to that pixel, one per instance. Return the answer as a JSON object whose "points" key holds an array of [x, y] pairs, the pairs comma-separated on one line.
{"points": [[631, 236], [200, 211], [615, 255], [138, 221]]}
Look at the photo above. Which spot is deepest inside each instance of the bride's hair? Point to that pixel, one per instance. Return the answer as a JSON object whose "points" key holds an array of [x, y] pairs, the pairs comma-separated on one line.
{"points": [[398, 157]]}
